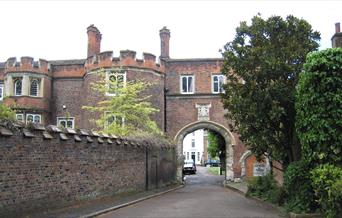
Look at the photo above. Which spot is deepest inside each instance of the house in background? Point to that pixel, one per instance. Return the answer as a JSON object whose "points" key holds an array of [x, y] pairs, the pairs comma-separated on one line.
{"points": [[195, 146]]}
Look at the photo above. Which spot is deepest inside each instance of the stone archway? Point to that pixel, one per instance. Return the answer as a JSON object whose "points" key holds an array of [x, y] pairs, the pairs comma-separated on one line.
{"points": [[225, 133]]}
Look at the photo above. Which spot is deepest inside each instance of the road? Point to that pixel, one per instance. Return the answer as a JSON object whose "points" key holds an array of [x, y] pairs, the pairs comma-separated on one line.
{"points": [[202, 197]]}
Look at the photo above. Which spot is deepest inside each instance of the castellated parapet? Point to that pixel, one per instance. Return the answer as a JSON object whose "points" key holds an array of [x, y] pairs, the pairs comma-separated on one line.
{"points": [[127, 58], [27, 64]]}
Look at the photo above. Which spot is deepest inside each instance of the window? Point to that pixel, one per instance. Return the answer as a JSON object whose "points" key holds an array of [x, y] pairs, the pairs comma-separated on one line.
{"points": [[217, 82], [110, 118], [1, 91], [187, 84], [198, 156], [19, 117], [115, 80], [34, 118], [187, 155], [34, 87], [18, 83], [192, 143], [68, 122]]}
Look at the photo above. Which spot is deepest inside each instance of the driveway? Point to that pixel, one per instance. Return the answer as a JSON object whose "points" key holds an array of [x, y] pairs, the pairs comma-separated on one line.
{"points": [[202, 197]]}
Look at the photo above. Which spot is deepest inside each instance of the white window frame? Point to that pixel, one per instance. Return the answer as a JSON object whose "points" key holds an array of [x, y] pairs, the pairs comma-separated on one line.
{"points": [[1, 91], [15, 86], [116, 74], [106, 124], [220, 89], [34, 116], [22, 116], [66, 119], [193, 84], [38, 86]]}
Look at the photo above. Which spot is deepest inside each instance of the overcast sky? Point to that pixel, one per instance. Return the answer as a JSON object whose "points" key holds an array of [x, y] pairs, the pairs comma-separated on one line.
{"points": [[57, 30]]}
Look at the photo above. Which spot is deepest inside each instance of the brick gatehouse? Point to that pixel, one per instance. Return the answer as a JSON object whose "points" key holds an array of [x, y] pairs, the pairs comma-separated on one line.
{"points": [[186, 91]]}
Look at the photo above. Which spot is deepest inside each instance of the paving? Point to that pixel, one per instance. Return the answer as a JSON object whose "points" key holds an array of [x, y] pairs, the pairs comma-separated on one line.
{"points": [[203, 197]]}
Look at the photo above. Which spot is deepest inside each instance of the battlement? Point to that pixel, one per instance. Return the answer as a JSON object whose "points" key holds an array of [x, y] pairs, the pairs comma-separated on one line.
{"points": [[127, 58], [27, 64]]}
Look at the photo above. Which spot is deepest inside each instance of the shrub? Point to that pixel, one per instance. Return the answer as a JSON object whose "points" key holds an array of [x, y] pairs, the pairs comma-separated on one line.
{"points": [[327, 184], [297, 185], [318, 107], [265, 188]]}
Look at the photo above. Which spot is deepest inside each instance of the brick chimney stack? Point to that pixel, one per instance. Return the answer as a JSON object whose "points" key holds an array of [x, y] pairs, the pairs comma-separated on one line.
{"points": [[336, 40], [164, 42], [337, 28], [94, 40]]}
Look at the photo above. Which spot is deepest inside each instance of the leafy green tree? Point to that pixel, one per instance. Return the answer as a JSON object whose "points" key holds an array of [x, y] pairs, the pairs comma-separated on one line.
{"points": [[216, 145], [262, 65], [6, 112], [318, 106], [126, 112]]}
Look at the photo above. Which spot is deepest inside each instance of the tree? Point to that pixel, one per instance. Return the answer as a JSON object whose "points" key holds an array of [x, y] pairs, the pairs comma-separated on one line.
{"points": [[216, 144], [126, 111], [318, 106], [262, 65], [6, 112]]}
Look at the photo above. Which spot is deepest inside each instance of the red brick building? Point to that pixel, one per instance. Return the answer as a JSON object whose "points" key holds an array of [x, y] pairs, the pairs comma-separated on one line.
{"points": [[186, 91]]}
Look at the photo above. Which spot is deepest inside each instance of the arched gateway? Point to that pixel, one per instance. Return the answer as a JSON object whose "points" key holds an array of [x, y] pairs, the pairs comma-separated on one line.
{"points": [[225, 133]]}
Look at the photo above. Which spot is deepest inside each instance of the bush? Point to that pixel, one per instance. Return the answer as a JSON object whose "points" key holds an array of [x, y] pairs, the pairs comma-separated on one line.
{"points": [[265, 188], [318, 107], [327, 184], [300, 196]]}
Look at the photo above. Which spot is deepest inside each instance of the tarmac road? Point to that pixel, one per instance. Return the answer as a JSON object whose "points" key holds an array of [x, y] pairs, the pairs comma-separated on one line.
{"points": [[202, 197]]}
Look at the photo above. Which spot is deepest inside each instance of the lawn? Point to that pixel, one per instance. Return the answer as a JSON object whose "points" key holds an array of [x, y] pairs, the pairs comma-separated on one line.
{"points": [[214, 170]]}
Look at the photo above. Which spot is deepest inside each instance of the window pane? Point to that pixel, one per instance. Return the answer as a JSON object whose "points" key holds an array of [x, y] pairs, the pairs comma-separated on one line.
{"points": [[62, 123], [19, 117], [69, 123], [37, 119], [29, 118], [190, 84], [184, 88], [34, 88], [17, 87]]}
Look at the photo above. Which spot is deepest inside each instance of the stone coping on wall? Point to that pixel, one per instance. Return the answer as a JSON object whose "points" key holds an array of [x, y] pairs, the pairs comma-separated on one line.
{"points": [[32, 130]]}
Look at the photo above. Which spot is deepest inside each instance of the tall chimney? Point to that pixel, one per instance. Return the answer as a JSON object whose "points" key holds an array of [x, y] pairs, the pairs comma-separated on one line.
{"points": [[94, 40], [164, 42], [337, 28], [336, 40]]}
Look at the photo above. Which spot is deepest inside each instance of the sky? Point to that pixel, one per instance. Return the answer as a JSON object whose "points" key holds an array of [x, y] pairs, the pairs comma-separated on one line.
{"points": [[56, 30]]}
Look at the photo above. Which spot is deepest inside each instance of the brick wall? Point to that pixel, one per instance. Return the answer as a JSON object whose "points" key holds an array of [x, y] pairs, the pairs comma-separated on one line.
{"points": [[37, 171]]}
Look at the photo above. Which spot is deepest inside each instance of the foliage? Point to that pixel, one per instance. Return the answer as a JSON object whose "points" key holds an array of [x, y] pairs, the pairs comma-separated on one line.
{"points": [[128, 111], [297, 185], [6, 112], [265, 188], [318, 107], [327, 184], [262, 65], [216, 145], [214, 170]]}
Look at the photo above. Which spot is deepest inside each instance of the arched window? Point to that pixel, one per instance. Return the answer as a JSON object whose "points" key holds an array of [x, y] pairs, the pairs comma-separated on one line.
{"points": [[34, 87], [18, 84]]}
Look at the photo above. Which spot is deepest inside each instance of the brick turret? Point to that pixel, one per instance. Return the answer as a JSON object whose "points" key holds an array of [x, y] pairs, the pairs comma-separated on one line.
{"points": [[94, 40], [164, 42], [337, 37]]}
